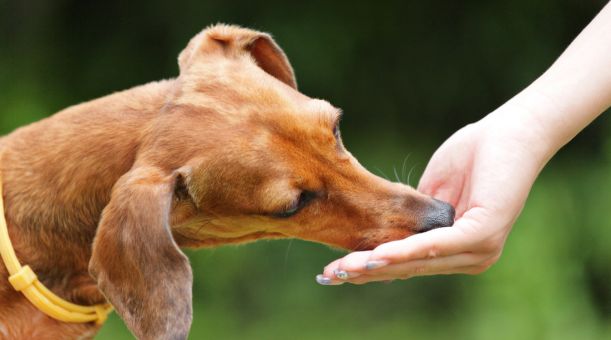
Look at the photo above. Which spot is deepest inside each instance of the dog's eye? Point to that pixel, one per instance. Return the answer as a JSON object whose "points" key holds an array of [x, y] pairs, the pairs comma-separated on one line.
{"points": [[336, 132], [304, 198]]}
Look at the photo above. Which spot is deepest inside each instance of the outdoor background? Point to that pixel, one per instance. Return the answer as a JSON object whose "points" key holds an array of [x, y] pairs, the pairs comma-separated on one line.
{"points": [[407, 75]]}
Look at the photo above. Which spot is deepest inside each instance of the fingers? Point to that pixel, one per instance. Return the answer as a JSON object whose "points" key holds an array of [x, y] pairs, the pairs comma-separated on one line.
{"points": [[337, 273], [474, 264], [463, 248], [389, 278], [432, 244], [448, 264], [466, 236], [350, 266]]}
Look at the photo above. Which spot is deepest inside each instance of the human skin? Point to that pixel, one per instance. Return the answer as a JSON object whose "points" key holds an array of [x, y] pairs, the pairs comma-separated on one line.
{"points": [[487, 168]]}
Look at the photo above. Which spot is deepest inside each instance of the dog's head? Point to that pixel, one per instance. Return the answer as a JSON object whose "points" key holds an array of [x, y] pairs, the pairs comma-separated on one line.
{"points": [[238, 154]]}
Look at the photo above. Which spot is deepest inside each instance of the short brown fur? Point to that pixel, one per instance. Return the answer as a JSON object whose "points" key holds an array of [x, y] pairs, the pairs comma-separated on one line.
{"points": [[116, 185]]}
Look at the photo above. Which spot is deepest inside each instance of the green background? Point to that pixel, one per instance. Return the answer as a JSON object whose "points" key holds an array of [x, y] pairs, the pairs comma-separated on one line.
{"points": [[407, 74]]}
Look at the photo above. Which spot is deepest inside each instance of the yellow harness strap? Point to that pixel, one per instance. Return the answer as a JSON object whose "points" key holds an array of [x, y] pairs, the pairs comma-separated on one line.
{"points": [[23, 279]]}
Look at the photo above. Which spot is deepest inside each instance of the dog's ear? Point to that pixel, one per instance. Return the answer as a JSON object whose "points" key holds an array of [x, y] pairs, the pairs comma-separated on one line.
{"points": [[136, 262], [234, 40]]}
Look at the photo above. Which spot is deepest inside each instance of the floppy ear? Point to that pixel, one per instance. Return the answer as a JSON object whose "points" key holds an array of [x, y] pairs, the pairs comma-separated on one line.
{"points": [[136, 262], [234, 40]]}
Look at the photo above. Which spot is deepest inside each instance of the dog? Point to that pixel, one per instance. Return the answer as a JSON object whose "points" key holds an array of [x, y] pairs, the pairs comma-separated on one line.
{"points": [[101, 196]]}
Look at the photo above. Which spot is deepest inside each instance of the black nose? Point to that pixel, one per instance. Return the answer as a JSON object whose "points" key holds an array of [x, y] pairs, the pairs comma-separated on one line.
{"points": [[439, 214]]}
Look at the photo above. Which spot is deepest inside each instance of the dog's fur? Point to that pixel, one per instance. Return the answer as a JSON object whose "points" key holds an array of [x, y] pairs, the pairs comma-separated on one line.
{"points": [[114, 186]]}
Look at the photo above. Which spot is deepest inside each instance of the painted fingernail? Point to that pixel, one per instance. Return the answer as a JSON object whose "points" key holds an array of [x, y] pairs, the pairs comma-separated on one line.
{"points": [[375, 264], [341, 274], [325, 281]]}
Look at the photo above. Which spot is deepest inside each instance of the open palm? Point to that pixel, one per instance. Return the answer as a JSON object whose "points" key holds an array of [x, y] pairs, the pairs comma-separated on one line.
{"points": [[485, 170]]}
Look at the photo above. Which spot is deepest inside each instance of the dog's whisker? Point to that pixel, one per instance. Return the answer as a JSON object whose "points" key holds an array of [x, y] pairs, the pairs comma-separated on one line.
{"points": [[286, 255], [396, 174], [381, 172], [409, 175], [403, 167]]}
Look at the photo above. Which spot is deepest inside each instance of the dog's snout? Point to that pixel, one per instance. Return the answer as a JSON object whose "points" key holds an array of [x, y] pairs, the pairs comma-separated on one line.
{"points": [[439, 214]]}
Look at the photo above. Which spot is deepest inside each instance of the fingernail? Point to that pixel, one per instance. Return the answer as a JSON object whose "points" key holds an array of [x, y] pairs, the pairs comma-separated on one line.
{"points": [[341, 274], [325, 281], [375, 264]]}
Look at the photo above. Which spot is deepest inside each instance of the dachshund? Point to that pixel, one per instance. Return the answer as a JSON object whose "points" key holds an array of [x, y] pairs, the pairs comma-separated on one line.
{"points": [[101, 196]]}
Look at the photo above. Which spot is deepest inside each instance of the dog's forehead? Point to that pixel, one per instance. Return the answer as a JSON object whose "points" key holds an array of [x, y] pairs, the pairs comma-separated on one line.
{"points": [[303, 119], [322, 107]]}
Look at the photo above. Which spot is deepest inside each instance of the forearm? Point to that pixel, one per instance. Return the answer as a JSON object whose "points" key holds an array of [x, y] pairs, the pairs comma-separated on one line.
{"points": [[573, 91]]}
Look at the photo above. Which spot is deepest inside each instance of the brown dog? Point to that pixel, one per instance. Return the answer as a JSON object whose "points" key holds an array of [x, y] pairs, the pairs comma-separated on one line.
{"points": [[228, 152]]}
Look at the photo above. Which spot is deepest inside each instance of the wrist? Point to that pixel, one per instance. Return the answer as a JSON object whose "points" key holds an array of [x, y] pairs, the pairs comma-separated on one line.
{"points": [[518, 122], [544, 118], [548, 124]]}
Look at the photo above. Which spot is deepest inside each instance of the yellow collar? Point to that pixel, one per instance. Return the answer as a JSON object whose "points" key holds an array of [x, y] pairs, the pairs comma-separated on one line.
{"points": [[23, 279]]}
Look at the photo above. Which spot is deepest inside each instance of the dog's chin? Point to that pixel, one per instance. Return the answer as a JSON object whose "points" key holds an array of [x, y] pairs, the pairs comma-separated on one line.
{"points": [[208, 241]]}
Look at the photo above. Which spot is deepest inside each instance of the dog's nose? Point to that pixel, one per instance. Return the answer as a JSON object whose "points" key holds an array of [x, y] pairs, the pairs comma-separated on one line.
{"points": [[439, 214]]}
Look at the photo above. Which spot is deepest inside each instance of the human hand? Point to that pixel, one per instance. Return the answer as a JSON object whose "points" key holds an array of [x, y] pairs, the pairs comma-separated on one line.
{"points": [[485, 170]]}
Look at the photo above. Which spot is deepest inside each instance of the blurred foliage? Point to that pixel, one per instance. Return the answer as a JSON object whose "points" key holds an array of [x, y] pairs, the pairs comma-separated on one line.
{"points": [[407, 74]]}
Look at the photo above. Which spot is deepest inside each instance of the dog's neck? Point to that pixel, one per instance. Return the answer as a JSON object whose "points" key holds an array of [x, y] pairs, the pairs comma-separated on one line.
{"points": [[54, 237]]}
